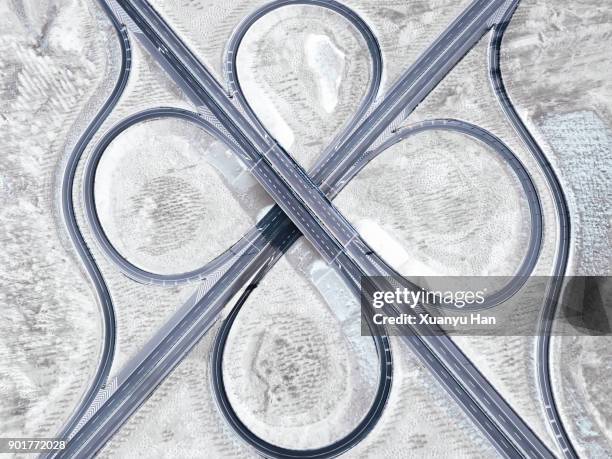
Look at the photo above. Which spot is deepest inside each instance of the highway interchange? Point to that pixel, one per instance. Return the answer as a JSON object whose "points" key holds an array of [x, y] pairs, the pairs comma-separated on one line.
{"points": [[304, 208]]}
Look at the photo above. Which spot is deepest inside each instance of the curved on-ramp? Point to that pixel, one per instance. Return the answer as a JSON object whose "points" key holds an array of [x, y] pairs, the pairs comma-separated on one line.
{"points": [[267, 449], [342, 445]]}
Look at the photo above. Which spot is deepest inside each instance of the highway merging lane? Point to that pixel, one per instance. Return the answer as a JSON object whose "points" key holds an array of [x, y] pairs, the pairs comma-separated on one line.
{"points": [[563, 224], [446, 354]]}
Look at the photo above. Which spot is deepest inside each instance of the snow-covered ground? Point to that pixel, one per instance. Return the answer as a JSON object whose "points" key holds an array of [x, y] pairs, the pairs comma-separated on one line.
{"points": [[557, 73], [310, 86], [440, 204], [54, 60], [171, 198]]}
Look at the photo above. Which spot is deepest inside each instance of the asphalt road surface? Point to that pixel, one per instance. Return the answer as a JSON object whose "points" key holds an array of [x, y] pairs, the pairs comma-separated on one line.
{"points": [[563, 237], [68, 213]]}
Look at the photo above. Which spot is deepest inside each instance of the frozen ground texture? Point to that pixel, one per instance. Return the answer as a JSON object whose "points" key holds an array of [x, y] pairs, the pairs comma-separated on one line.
{"points": [[297, 378], [162, 202], [557, 67], [310, 84], [418, 415], [54, 58], [584, 145]]}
